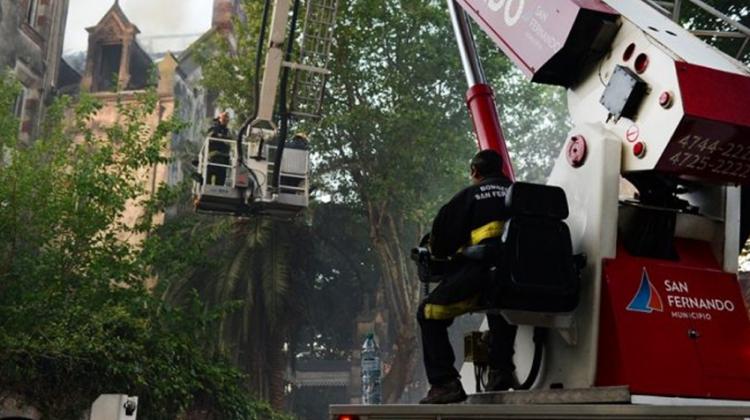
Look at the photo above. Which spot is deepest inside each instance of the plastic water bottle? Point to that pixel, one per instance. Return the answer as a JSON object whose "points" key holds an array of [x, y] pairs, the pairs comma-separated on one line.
{"points": [[370, 371]]}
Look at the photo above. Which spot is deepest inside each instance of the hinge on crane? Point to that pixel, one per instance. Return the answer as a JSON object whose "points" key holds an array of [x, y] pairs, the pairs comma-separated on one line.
{"points": [[311, 72]]}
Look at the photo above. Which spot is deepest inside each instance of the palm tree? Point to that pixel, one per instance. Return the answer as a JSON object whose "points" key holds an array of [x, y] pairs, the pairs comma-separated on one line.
{"points": [[251, 269]]}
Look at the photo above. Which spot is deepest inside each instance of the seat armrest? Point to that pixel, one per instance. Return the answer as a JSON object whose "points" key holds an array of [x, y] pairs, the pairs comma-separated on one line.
{"points": [[481, 252]]}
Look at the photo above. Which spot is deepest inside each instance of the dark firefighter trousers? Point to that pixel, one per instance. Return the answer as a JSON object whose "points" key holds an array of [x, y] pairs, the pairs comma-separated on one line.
{"points": [[458, 293]]}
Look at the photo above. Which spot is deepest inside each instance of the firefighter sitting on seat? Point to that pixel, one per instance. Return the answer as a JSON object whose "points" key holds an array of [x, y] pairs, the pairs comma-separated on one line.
{"points": [[474, 215]]}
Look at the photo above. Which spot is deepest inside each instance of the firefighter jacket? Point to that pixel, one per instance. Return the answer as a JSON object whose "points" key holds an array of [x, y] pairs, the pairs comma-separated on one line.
{"points": [[474, 214], [219, 130]]}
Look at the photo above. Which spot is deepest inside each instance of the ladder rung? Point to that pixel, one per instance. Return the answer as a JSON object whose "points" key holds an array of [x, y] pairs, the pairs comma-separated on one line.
{"points": [[322, 6], [304, 114], [306, 68]]}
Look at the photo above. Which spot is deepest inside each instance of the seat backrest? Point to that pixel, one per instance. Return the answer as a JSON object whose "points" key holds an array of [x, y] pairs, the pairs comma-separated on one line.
{"points": [[538, 271], [537, 200]]}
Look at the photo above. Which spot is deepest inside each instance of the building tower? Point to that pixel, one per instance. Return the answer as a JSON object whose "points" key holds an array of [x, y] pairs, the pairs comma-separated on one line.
{"points": [[114, 58]]}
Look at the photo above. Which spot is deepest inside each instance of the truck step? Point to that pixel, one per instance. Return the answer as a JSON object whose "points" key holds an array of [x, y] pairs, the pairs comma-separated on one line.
{"points": [[534, 411], [600, 395]]}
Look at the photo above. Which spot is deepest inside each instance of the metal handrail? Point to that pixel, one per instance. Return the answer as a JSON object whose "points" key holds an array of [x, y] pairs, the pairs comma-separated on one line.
{"points": [[229, 168]]}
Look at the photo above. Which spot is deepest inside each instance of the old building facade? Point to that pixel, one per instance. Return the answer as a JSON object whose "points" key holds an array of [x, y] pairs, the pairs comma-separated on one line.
{"points": [[114, 60], [117, 70], [31, 41]]}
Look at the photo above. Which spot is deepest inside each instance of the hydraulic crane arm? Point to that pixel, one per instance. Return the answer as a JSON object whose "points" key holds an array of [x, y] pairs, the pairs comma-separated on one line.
{"points": [[273, 63], [595, 48], [479, 98]]}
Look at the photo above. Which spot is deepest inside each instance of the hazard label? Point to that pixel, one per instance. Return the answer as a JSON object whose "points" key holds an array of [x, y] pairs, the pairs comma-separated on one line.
{"points": [[633, 133]]}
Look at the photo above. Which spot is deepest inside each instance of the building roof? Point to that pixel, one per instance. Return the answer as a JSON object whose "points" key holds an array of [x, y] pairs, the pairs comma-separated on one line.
{"points": [[115, 12], [68, 77]]}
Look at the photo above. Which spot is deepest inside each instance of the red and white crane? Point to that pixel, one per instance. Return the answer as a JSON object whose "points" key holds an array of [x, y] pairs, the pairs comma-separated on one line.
{"points": [[652, 170], [656, 111]]}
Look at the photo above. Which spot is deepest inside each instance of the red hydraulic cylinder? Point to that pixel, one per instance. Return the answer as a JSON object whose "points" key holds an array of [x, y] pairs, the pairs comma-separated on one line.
{"points": [[481, 102]]}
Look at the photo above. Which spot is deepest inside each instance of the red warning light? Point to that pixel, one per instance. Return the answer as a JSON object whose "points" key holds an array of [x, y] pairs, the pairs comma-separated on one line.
{"points": [[639, 149], [348, 417], [641, 63]]}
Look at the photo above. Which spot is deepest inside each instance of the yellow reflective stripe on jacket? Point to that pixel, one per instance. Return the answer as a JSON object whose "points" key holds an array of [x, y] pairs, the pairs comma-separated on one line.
{"points": [[490, 230], [451, 310]]}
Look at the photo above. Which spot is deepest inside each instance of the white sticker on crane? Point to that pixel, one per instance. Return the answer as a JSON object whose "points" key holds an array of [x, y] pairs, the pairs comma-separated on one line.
{"points": [[511, 17]]}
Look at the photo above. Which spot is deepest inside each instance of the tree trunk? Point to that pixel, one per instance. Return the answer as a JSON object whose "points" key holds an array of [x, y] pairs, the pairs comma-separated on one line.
{"points": [[401, 291], [276, 368]]}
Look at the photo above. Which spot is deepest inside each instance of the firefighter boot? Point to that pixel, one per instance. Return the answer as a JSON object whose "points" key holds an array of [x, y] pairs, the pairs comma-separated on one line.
{"points": [[448, 393], [501, 380]]}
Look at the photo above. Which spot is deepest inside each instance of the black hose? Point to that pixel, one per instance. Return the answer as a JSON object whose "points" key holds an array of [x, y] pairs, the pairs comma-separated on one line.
{"points": [[283, 112], [540, 336]]}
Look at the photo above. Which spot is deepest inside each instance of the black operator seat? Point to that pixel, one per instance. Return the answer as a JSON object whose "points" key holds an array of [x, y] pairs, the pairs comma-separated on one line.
{"points": [[532, 265], [535, 269]]}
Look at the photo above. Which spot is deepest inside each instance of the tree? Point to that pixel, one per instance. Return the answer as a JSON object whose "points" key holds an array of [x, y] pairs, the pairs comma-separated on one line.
{"points": [[245, 263], [77, 319], [343, 274], [248, 266], [396, 139]]}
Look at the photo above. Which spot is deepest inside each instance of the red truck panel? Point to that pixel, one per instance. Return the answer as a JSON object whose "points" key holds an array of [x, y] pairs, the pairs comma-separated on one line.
{"points": [[713, 140], [674, 328]]}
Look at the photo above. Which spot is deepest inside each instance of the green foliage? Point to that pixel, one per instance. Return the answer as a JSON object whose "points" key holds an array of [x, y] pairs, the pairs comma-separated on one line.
{"points": [[78, 319], [229, 70], [343, 271], [695, 18], [395, 130], [245, 264]]}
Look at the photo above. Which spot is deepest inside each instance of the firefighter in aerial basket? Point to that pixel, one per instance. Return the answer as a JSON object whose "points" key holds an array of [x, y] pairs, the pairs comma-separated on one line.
{"points": [[219, 152], [475, 215]]}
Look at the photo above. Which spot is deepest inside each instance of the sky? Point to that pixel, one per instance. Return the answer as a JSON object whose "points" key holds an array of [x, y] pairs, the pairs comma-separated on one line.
{"points": [[153, 17]]}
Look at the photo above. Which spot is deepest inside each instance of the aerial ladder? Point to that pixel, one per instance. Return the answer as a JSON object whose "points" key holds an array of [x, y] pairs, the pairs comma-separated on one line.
{"points": [[261, 172], [651, 173]]}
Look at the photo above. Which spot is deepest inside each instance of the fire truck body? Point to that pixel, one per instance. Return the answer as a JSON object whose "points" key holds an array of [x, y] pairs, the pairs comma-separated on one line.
{"points": [[651, 168], [660, 108]]}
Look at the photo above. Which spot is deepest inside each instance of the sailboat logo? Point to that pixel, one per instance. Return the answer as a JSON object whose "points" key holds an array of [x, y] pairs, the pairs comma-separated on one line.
{"points": [[646, 299]]}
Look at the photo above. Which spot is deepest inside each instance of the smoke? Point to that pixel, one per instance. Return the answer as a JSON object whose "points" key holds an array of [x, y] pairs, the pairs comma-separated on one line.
{"points": [[153, 18], [169, 17]]}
